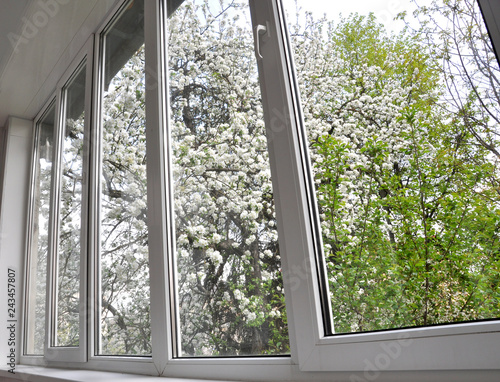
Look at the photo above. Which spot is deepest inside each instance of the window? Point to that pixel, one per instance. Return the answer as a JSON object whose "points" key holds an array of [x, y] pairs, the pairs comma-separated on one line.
{"points": [[229, 290], [359, 175], [70, 238], [56, 303], [178, 226], [39, 235], [405, 183], [123, 294]]}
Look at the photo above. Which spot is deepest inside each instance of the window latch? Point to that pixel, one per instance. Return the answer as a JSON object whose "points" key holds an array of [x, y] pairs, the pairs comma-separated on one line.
{"points": [[260, 30]]}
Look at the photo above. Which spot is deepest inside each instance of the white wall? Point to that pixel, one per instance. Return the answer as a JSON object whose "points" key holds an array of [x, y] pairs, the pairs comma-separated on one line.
{"points": [[2, 160], [16, 154]]}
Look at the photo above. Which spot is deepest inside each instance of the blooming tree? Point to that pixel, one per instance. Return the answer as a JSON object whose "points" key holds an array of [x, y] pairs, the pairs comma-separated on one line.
{"points": [[125, 303], [229, 282]]}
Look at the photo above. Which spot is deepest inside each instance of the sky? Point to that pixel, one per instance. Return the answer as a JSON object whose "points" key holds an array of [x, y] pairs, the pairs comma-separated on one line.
{"points": [[385, 10]]}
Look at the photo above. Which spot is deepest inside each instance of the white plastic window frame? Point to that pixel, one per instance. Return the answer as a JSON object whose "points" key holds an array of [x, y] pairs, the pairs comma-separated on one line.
{"points": [[449, 351], [29, 283], [85, 355], [77, 353], [124, 363], [83, 61], [445, 348]]}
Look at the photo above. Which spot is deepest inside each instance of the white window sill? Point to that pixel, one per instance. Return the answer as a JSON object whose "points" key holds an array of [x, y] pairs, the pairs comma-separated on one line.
{"points": [[43, 374]]}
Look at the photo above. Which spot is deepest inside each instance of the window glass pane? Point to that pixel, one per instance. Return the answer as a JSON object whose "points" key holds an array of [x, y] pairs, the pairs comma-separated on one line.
{"points": [[403, 127], [124, 290], [70, 214], [230, 296], [39, 240]]}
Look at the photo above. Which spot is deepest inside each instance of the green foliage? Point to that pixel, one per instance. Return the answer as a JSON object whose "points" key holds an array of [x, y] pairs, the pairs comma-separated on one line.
{"points": [[407, 196]]}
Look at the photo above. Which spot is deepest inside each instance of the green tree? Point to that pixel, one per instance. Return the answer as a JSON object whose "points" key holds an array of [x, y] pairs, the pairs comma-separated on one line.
{"points": [[404, 192]]}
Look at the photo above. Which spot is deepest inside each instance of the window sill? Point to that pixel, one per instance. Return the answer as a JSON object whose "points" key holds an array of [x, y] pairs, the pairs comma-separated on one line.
{"points": [[44, 374]]}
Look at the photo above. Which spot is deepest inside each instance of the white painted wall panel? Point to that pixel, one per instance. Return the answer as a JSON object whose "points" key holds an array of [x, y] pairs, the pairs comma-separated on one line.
{"points": [[16, 168]]}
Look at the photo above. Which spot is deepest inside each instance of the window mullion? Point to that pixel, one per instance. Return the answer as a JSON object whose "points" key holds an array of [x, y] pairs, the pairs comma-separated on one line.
{"points": [[51, 290], [295, 224], [158, 207]]}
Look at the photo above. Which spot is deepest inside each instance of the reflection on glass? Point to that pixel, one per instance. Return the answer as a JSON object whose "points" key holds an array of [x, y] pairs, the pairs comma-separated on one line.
{"points": [[403, 127], [44, 150], [70, 214], [124, 291], [230, 296]]}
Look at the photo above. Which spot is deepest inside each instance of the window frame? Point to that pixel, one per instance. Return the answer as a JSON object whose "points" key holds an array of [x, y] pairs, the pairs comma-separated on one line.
{"points": [[96, 175], [28, 284], [84, 356], [311, 348], [65, 353], [386, 350], [314, 356], [62, 353], [129, 363]]}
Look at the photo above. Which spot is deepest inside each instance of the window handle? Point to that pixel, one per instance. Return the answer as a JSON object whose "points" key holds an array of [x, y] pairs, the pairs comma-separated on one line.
{"points": [[258, 31]]}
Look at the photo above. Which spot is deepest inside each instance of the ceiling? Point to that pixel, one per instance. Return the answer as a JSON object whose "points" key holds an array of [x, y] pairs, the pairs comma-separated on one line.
{"points": [[38, 41]]}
